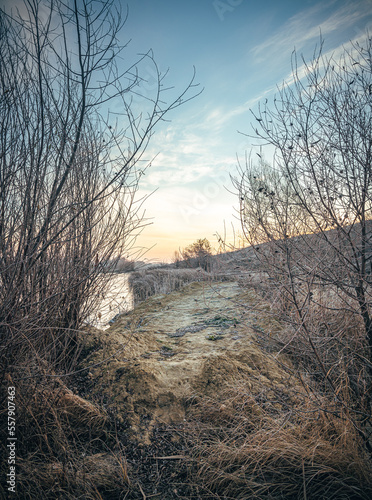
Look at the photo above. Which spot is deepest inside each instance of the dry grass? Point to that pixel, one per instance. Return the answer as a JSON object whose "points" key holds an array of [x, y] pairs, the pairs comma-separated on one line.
{"points": [[327, 343], [97, 476], [250, 438], [268, 443], [150, 282], [245, 445], [66, 445]]}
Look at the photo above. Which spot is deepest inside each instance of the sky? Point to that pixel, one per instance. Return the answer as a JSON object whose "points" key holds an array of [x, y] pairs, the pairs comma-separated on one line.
{"points": [[241, 51]]}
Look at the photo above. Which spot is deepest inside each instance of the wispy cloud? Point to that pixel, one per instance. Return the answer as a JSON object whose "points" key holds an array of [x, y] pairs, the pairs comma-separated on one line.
{"points": [[187, 153], [331, 55], [308, 24]]}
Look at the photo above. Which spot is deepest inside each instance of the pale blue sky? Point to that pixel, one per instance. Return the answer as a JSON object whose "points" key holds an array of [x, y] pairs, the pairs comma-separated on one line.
{"points": [[241, 50]]}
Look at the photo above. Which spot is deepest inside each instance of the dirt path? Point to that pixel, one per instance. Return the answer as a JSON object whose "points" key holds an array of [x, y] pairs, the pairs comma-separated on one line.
{"points": [[171, 347]]}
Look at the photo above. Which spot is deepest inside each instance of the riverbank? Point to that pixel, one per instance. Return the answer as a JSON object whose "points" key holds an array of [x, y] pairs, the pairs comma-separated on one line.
{"points": [[197, 377], [188, 396]]}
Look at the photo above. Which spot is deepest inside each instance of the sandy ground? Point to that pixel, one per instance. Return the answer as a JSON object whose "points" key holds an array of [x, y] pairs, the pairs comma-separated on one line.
{"points": [[153, 359]]}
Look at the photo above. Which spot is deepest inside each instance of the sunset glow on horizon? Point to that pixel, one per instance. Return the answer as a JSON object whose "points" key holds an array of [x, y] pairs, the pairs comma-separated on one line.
{"points": [[241, 51]]}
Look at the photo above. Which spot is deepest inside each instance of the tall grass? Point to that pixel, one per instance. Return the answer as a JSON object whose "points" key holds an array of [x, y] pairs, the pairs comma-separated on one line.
{"points": [[247, 446], [150, 282], [66, 446], [307, 441]]}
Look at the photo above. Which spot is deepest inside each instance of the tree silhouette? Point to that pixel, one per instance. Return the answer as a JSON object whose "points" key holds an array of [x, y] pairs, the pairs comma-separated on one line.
{"points": [[73, 128], [312, 211], [198, 254]]}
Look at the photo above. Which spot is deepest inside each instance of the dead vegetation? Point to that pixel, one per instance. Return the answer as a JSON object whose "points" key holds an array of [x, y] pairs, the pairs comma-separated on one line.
{"points": [[259, 438], [150, 282], [232, 419], [69, 177], [66, 445], [250, 422], [260, 445], [210, 390]]}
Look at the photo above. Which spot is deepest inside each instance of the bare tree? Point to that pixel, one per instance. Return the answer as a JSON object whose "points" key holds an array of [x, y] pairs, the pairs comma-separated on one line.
{"points": [[69, 166], [311, 210], [198, 254]]}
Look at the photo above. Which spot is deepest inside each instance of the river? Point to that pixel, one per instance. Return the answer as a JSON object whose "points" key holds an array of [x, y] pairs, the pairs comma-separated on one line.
{"points": [[117, 300]]}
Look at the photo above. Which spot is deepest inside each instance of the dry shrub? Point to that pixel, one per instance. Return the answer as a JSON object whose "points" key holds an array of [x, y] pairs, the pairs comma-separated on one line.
{"points": [[328, 343], [244, 446], [146, 283], [66, 445], [333, 352]]}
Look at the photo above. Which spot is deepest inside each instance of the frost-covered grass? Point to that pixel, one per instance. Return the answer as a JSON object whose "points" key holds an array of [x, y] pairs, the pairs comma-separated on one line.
{"points": [[150, 282]]}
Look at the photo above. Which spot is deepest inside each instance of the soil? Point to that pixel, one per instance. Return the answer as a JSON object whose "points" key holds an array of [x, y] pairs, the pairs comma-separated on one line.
{"points": [[171, 348]]}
